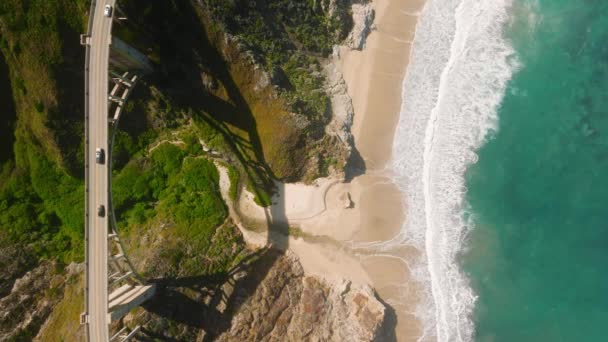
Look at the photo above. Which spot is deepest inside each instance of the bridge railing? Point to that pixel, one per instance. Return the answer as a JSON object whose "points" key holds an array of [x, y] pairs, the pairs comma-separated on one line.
{"points": [[87, 58]]}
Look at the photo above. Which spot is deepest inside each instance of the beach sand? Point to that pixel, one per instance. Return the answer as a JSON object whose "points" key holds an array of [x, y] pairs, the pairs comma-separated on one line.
{"points": [[374, 78], [336, 240]]}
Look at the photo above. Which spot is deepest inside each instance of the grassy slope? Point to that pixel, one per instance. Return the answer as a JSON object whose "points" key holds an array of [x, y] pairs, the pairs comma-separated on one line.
{"points": [[41, 187], [181, 187], [216, 80], [63, 324], [291, 41]]}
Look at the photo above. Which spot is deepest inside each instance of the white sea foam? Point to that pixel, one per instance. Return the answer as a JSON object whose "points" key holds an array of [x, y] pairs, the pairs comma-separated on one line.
{"points": [[459, 69]]}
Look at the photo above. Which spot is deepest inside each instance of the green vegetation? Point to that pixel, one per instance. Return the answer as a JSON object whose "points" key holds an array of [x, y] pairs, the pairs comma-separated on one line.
{"points": [[296, 232], [194, 200], [181, 189], [274, 29], [208, 77], [309, 97], [43, 208], [233, 175], [42, 52], [220, 139], [204, 104], [7, 112], [41, 81], [41, 185], [227, 113], [288, 37]]}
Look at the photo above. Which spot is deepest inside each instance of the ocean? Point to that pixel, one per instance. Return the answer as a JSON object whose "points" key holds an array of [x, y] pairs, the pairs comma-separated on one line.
{"points": [[500, 150]]}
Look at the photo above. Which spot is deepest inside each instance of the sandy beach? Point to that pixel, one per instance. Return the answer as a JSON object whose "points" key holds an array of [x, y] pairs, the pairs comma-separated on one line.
{"points": [[374, 77], [341, 222]]}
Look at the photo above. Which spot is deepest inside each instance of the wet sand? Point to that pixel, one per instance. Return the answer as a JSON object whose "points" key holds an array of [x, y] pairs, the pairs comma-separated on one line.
{"points": [[374, 77]]}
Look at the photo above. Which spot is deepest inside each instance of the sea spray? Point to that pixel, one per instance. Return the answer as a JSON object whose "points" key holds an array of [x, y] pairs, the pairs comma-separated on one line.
{"points": [[460, 65]]}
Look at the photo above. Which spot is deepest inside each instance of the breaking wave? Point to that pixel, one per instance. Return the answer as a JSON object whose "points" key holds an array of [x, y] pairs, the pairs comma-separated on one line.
{"points": [[460, 66]]}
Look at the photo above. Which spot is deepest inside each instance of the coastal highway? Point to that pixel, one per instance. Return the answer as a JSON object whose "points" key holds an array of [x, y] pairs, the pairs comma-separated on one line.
{"points": [[97, 174]]}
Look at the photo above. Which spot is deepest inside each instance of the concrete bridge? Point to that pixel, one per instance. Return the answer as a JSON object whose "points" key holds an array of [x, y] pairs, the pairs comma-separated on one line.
{"points": [[112, 287]]}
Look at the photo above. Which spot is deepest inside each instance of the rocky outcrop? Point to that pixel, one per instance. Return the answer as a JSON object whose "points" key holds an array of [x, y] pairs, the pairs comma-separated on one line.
{"points": [[341, 104], [290, 306], [31, 300], [363, 18], [15, 261], [266, 297], [336, 88]]}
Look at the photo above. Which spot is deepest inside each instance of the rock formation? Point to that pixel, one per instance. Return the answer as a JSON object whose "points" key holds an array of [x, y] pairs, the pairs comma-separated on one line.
{"points": [[290, 306], [31, 300], [341, 104], [363, 17]]}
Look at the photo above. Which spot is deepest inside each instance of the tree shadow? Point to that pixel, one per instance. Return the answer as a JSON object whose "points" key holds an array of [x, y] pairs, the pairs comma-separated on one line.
{"points": [[8, 114], [277, 223], [209, 302], [186, 53], [355, 165], [66, 120]]}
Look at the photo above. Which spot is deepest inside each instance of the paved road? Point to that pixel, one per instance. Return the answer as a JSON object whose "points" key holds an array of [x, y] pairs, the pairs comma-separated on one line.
{"points": [[97, 271]]}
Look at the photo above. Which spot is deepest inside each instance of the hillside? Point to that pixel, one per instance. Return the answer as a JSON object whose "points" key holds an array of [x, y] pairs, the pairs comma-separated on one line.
{"points": [[236, 83]]}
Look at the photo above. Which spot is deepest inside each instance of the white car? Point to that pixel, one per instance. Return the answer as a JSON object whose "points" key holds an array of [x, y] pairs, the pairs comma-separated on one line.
{"points": [[100, 156], [107, 11]]}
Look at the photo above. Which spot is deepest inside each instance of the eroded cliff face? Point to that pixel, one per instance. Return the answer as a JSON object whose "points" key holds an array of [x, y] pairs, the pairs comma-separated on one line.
{"points": [[290, 306], [32, 298], [24, 308], [266, 297]]}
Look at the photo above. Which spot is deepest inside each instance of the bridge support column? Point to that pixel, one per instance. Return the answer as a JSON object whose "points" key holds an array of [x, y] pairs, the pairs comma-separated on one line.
{"points": [[124, 335], [127, 297], [126, 81]]}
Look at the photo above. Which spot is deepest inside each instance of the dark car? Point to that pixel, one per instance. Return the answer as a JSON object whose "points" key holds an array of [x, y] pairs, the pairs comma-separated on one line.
{"points": [[100, 156], [101, 211]]}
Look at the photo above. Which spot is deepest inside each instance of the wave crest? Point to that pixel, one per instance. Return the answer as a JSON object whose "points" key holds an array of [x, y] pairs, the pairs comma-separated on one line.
{"points": [[459, 70]]}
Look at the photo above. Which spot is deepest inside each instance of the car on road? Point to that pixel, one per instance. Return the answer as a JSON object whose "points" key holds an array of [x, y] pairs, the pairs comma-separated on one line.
{"points": [[100, 156], [101, 211], [107, 11]]}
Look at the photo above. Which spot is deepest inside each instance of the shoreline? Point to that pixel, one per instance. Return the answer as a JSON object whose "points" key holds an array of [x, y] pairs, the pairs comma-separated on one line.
{"points": [[375, 78], [342, 225]]}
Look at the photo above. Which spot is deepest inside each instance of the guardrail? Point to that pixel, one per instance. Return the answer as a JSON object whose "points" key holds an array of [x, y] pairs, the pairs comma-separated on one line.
{"points": [[84, 320], [125, 267], [112, 215]]}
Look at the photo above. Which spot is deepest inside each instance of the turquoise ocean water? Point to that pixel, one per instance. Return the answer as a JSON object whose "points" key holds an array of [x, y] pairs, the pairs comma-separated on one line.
{"points": [[537, 256], [501, 151]]}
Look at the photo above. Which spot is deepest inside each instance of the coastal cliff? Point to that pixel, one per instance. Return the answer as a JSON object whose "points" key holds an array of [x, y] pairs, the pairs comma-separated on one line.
{"points": [[288, 305], [267, 297], [262, 98]]}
